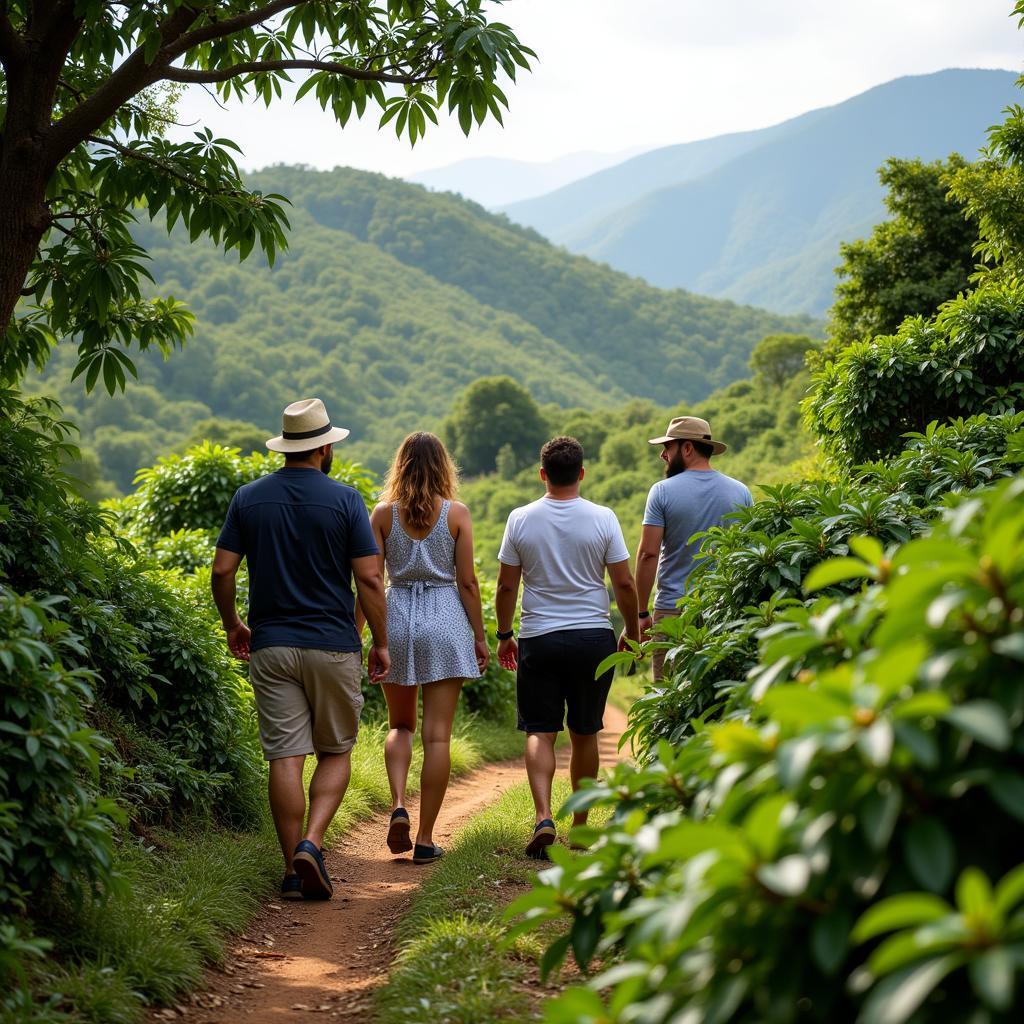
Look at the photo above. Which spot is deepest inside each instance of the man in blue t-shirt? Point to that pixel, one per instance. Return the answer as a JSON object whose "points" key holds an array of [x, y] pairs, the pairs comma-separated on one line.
{"points": [[692, 497], [304, 536]]}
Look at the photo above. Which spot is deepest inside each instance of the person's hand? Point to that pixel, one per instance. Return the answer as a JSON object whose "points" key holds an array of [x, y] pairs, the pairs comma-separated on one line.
{"points": [[378, 663], [646, 627], [239, 638], [508, 653], [483, 654]]}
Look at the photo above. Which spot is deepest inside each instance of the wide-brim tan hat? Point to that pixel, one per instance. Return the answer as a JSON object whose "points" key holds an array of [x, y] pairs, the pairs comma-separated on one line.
{"points": [[690, 428], [305, 425]]}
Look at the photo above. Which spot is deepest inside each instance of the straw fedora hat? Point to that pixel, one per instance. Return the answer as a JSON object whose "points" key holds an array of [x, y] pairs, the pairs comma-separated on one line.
{"points": [[690, 428], [305, 425]]}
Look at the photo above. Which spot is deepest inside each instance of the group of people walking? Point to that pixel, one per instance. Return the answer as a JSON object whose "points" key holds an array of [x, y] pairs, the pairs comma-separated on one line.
{"points": [[306, 538]]}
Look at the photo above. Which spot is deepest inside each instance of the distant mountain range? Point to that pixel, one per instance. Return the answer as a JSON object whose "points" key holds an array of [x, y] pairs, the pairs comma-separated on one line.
{"points": [[492, 181], [758, 216]]}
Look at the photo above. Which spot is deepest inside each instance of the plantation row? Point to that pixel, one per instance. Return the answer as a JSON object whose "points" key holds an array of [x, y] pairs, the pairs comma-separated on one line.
{"points": [[120, 707], [825, 821]]}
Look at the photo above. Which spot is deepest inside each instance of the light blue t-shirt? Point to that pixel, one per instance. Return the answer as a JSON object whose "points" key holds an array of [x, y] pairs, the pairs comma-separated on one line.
{"points": [[683, 505]]}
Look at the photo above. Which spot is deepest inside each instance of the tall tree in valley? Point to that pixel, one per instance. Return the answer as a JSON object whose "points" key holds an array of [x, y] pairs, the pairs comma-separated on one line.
{"points": [[86, 94], [911, 263], [494, 415]]}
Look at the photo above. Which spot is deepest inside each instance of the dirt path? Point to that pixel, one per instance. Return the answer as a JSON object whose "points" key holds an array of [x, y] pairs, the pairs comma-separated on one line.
{"points": [[328, 958]]}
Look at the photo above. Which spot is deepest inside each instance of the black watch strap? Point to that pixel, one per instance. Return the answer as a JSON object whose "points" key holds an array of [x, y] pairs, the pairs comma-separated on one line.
{"points": [[644, 614], [504, 636]]}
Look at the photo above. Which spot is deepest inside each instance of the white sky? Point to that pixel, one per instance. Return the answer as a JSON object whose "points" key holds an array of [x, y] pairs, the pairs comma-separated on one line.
{"points": [[613, 74]]}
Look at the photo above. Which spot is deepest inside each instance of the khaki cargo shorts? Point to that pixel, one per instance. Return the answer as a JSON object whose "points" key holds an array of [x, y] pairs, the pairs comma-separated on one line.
{"points": [[308, 701]]}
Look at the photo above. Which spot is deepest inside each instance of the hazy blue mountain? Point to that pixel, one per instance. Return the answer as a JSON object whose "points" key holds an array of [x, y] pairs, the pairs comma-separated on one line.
{"points": [[493, 181], [758, 217]]}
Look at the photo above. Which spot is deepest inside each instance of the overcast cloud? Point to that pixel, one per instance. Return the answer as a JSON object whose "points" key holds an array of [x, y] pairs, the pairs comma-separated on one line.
{"points": [[615, 74]]}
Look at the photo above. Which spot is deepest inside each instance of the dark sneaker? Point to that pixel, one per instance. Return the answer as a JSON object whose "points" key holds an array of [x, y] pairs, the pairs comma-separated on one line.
{"points": [[426, 854], [543, 836], [398, 831], [291, 888], [312, 872]]}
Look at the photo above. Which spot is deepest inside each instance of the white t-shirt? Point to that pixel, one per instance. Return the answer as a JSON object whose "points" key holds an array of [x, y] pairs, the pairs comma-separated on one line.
{"points": [[563, 548]]}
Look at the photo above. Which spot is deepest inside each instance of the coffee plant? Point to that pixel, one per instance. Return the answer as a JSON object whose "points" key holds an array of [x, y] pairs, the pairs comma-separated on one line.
{"points": [[869, 780]]}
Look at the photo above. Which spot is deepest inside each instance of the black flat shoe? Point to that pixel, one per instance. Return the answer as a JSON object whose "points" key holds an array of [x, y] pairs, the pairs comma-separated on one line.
{"points": [[398, 831], [427, 854], [543, 836]]}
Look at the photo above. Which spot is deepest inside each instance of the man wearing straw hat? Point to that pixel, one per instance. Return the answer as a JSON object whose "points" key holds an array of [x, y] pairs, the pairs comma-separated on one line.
{"points": [[304, 537], [692, 497]]}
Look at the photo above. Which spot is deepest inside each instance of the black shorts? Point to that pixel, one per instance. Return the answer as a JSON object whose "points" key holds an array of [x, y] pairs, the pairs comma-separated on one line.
{"points": [[556, 671]]}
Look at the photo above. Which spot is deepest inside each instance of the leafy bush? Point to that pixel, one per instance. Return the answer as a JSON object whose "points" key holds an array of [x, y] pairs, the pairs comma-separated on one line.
{"points": [[53, 822], [874, 777], [960, 363], [192, 491], [759, 562]]}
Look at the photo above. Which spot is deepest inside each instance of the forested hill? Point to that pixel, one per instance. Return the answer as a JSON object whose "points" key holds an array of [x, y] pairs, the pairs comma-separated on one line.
{"points": [[388, 302]]}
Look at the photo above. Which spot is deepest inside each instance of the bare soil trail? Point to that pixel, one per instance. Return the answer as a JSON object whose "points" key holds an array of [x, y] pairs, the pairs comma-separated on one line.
{"points": [[328, 958]]}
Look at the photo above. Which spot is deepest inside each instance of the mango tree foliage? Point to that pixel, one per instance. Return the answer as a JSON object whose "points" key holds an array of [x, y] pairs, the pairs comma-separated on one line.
{"points": [[87, 93], [912, 263]]}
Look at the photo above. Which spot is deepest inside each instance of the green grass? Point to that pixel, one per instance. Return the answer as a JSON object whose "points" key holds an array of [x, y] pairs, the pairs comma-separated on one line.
{"points": [[452, 966], [185, 892]]}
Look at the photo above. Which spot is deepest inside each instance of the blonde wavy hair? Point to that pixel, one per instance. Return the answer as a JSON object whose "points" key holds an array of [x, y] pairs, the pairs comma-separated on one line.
{"points": [[421, 472]]}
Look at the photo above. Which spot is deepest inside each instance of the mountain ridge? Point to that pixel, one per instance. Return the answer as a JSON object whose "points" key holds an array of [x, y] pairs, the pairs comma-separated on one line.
{"points": [[758, 223]]}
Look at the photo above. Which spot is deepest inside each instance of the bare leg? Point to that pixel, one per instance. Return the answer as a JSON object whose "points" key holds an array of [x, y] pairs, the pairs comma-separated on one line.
{"points": [[439, 701], [583, 764], [540, 770], [398, 745], [326, 790], [287, 803]]}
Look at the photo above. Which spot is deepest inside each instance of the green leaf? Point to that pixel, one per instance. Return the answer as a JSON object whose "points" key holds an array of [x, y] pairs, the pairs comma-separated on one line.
{"points": [[836, 570], [974, 892], [1010, 891], [992, 977], [878, 816], [1008, 791], [895, 999], [553, 956], [984, 720], [906, 909], [930, 854], [614, 660], [829, 940], [875, 742], [867, 548], [787, 877]]}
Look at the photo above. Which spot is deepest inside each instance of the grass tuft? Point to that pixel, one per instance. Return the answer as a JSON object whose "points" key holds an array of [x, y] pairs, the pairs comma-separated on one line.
{"points": [[184, 894], [453, 930]]}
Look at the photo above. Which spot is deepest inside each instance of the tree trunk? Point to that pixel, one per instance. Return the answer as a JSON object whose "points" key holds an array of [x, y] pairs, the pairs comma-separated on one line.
{"points": [[24, 218]]}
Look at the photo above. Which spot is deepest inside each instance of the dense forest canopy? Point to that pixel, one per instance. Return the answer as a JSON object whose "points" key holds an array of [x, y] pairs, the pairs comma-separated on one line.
{"points": [[389, 301]]}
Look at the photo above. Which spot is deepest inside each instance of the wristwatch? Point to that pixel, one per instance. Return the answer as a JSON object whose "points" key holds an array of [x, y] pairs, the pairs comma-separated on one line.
{"points": [[644, 614], [504, 636]]}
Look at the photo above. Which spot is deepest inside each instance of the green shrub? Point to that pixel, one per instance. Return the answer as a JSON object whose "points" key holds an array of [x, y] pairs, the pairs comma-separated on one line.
{"points": [[960, 363], [55, 825], [192, 491], [874, 778], [759, 561]]}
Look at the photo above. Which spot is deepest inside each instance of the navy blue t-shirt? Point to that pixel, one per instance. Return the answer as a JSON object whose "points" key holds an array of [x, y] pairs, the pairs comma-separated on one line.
{"points": [[299, 531]]}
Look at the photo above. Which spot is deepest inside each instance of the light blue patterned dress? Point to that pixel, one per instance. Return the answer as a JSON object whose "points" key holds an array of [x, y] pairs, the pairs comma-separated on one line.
{"points": [[429, 634]]}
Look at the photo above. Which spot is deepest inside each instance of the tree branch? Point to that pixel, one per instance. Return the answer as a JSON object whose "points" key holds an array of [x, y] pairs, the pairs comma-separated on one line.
{"points": [[219, 29], [12, 46], [130, 78], [134, 154], [255, 67]]}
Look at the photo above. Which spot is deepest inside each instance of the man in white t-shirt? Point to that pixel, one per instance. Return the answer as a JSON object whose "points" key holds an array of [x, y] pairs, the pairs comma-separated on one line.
{"points": [[559, 547]]}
